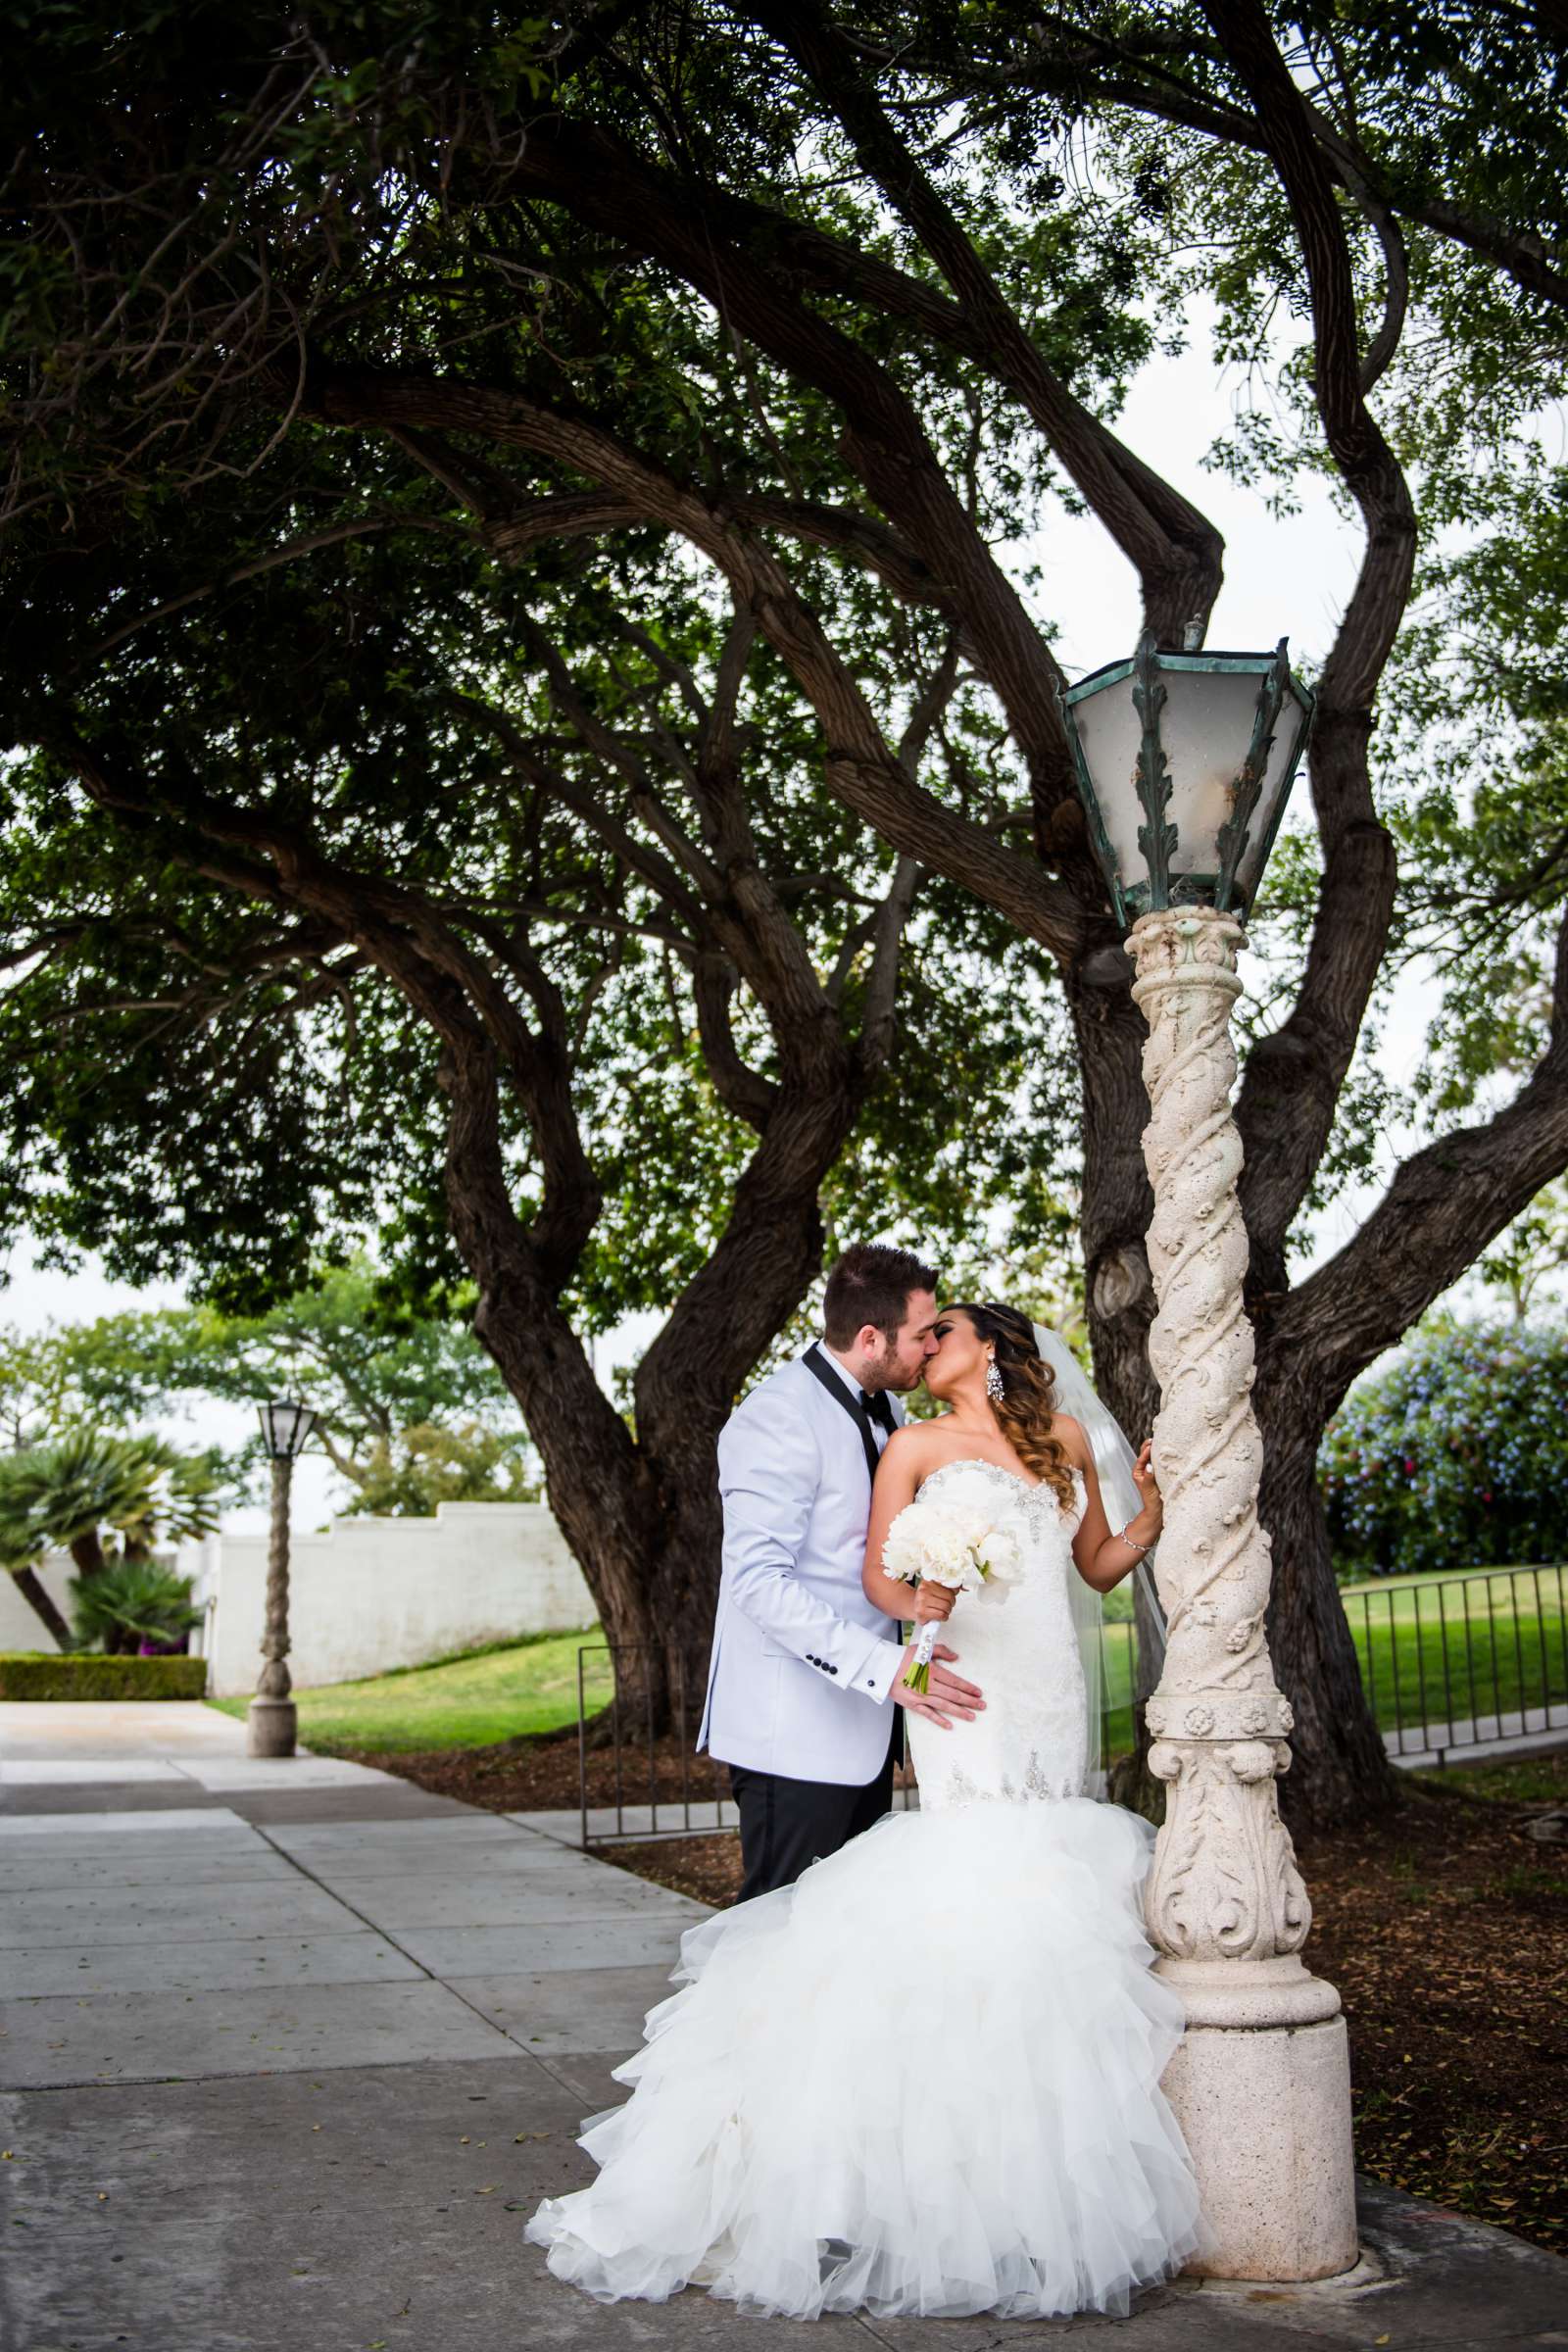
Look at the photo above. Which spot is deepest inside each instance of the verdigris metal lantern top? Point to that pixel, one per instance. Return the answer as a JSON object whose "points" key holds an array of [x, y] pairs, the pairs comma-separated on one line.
{"points": [[286, 1427], [1183, 764]]}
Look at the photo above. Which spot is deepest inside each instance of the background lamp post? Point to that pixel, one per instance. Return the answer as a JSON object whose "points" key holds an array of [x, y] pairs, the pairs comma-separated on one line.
{"points": [[272, 1721], [1184, 764]]}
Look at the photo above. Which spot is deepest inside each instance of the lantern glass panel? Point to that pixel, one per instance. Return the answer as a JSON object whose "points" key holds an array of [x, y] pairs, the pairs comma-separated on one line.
{"points": [[1289, 729], [286, 1426], [1110, 732], [1206, 730], [1207, 727]]}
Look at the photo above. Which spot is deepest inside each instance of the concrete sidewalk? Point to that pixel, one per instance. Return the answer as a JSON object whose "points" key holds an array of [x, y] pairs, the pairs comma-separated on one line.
{"points": [[289, 2051]]}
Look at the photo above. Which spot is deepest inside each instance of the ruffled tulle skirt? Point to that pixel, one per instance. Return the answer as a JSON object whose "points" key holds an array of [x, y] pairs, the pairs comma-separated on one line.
{"points": [[926, 2079]]}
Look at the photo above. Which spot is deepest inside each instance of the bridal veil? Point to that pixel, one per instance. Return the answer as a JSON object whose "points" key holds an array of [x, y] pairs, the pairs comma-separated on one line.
{"points": [[1113, 1462]]}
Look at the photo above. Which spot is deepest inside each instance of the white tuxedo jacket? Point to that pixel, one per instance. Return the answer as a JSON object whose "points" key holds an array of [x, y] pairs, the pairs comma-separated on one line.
{"points": [[803, 1665]]}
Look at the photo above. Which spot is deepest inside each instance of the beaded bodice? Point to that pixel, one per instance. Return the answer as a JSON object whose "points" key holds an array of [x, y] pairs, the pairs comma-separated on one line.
{"points": [[1016, 1639]]}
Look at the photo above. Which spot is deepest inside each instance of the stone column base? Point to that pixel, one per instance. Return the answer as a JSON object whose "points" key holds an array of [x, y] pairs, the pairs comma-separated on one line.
{"points": [[1265, 2110], [272, 1726]]}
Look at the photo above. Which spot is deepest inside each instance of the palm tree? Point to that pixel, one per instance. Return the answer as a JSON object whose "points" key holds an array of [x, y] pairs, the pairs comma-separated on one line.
{"points": [[84, 1482], [180, 1501], [90, 1483], [131, 1601]]}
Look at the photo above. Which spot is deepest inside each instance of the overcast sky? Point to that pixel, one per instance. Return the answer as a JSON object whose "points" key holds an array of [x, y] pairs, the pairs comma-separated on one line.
{"points": [[1283, 577]]}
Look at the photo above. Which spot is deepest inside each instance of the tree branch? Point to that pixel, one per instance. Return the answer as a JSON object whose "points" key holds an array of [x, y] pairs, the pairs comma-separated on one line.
{"points": [[1175, 550], [618, 754], [402, 934], [858, 766], [879, 1023], [1292, 1079], [1123, 77], [741, 1089], [1442, 1207], [661, 876], [606, 186], [292, 552]]}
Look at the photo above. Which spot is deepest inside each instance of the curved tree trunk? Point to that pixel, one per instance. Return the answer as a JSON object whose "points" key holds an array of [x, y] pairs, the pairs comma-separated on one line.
{"points": [[641, 1513], [1116, 1203], [1119, 1289], [600, 1488], [722, 1325], [31, 1585], [1340, 1770]]}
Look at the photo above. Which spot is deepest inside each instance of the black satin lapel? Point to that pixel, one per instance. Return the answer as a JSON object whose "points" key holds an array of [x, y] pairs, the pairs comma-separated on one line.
{"points": [[836, 1389]]}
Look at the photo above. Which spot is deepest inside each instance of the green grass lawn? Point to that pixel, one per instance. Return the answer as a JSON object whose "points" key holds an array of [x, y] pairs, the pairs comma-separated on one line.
{"points": [[511, 1691], [1433, 1648], [502, 1692], [1441, 1650]]}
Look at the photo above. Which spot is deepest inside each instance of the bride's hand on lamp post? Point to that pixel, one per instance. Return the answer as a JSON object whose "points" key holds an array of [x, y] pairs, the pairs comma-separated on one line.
{"points": [[1144, 1528]]}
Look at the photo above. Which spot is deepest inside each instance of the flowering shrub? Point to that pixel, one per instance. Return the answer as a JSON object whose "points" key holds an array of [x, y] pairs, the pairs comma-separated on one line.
{"points": [[1455, 1457]]}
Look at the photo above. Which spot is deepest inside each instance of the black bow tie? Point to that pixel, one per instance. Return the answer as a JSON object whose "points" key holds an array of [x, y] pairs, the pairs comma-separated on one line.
{"points": [[879, 1408]]}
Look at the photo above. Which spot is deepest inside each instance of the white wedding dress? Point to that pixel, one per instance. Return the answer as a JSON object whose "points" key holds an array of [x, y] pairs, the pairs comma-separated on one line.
{"points": [[925, 2079]]}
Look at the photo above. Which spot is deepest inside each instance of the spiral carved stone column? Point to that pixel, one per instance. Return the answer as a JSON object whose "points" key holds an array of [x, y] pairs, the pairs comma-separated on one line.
{"points": [[1261, 2083], [272, 1721]]}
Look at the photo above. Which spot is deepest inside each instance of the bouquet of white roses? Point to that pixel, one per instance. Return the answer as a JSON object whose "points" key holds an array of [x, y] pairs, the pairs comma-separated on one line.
{"points": [[959, 1538]]}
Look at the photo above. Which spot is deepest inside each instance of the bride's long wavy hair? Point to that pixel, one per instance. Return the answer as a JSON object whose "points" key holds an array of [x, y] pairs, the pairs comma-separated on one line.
{"points": [[1028, 1401]]}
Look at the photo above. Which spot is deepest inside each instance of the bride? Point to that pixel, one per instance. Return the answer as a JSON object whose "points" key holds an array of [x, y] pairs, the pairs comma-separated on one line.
{"points": [[925, 2079]]}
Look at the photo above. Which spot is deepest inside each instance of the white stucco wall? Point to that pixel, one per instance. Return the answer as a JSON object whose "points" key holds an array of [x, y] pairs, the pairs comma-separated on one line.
{"points": [[19, 1626], [366, 1595]]}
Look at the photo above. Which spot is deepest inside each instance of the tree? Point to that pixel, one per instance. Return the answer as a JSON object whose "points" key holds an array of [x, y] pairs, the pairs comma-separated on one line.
{"points": [[1452, 1454], [91, 1484], [428, 1465], [654, 980], [87, 1482], [131, 1602], [830, 300], [19, 1553], [369, 1366]]}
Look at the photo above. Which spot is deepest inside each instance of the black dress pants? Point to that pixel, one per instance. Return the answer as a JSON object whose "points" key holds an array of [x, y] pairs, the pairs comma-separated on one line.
{"points": [[788, 1825]]}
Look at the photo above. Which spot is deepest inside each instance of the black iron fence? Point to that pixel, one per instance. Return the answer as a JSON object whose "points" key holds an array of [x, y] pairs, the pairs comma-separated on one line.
{"points": [[1448, 1661], [639, 1777]]}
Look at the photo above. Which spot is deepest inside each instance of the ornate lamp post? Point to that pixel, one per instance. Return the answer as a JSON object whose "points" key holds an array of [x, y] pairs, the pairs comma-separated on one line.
{"points": [[272, 1721], [1184, 764]]}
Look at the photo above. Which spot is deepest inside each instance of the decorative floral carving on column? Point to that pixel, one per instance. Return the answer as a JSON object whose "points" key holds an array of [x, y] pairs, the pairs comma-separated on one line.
{"points": [[1224, 1883]]}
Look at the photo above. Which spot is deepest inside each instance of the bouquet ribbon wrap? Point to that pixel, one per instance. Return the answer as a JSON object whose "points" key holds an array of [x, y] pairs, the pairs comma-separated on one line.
{"points": [[918, 1674]]}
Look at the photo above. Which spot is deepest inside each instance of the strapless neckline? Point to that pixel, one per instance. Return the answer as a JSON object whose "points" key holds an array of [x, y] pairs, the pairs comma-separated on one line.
{"points": [[978, 1462]]}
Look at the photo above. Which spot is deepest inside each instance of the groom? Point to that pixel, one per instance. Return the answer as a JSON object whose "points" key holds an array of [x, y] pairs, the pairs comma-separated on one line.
{"points": [[805, 1672]]}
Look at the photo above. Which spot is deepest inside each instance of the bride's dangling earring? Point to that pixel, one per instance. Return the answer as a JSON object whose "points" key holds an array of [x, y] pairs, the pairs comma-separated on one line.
{"points": [[993, 1382]]}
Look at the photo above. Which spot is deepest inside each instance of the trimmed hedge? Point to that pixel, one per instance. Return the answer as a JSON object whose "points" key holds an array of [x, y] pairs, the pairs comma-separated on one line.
{"points": [[44, 1674]]}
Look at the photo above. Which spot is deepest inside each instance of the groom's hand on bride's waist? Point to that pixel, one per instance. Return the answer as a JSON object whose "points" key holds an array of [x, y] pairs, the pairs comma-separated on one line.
{"points": [[949, 1699]]}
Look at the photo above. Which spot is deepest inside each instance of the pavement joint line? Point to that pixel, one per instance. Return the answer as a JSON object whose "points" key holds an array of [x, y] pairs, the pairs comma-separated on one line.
{"points": [[541, 2060], [541, 1839], [428, 1973], [228, 2073], [446, 1983], [861, 2322]]}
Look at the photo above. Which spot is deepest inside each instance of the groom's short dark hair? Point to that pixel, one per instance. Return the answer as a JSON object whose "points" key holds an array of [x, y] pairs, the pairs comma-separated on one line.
{"points": [[871, 1283]]}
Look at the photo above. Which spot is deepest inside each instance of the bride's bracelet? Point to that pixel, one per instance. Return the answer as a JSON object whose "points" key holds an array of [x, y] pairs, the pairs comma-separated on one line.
{"points": [[1131, 1540]]}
